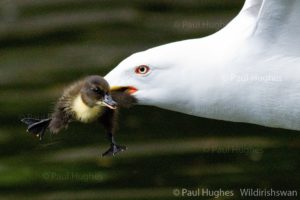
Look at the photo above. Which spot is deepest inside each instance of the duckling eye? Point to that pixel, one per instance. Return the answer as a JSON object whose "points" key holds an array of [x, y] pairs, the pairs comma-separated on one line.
{"points": [[97, 90], [142, 69]]}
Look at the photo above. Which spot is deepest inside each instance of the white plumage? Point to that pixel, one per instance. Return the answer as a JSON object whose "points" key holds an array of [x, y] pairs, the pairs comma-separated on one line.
{"points": [[247, 72]]}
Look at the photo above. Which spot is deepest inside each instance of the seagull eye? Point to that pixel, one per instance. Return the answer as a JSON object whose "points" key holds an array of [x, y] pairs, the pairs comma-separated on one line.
{"points": [[142, 69]]}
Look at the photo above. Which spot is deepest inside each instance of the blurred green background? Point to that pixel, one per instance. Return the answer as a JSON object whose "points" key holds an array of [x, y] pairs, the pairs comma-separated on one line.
{"points": [[45, 45]]}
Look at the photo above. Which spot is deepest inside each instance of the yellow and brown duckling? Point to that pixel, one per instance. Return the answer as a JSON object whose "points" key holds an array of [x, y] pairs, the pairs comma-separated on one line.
{"points": [[86, 101]]}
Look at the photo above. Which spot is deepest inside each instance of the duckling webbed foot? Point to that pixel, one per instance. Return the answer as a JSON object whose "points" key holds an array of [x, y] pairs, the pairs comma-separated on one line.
{"points": [[37, 127], [114, 147]]}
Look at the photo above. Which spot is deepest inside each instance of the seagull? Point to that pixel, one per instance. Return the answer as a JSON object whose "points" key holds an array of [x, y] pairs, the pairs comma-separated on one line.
{"points": [[248, 72]]}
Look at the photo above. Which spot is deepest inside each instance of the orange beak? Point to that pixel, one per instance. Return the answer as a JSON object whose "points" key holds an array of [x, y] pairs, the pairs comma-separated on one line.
{"points": [[126, 89]]}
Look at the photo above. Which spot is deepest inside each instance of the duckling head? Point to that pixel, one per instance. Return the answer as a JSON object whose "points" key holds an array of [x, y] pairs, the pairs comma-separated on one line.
{"points": [[95, 92]]}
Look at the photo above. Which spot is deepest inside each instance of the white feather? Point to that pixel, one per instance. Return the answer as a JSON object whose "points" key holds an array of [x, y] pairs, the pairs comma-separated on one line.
{"points": [[247, 72]]}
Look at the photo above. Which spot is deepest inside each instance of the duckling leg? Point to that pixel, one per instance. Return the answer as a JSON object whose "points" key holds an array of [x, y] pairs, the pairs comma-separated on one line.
{"points": [[109, 121], [114, 147]]}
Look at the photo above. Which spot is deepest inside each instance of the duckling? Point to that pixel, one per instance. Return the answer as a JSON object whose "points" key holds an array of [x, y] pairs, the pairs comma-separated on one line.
{"points": [[87, 100]]}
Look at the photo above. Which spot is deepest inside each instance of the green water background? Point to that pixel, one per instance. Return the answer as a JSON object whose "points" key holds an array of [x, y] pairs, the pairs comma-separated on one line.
{"points": [[45, 45]]}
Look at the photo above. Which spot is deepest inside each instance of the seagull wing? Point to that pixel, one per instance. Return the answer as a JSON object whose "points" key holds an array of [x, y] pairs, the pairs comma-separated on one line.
{"points": [[277, 27], [252, 7], [242, 25]]}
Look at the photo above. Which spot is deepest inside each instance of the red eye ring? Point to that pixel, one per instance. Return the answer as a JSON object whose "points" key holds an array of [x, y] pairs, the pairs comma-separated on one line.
{"points": [[142, 69]]}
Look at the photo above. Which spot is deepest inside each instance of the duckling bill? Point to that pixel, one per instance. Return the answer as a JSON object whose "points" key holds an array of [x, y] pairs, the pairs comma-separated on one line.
{"points": [[86, 101]]}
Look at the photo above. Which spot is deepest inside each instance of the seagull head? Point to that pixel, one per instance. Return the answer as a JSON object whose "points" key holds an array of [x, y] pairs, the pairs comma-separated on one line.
{"points": [[149, 76]]}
